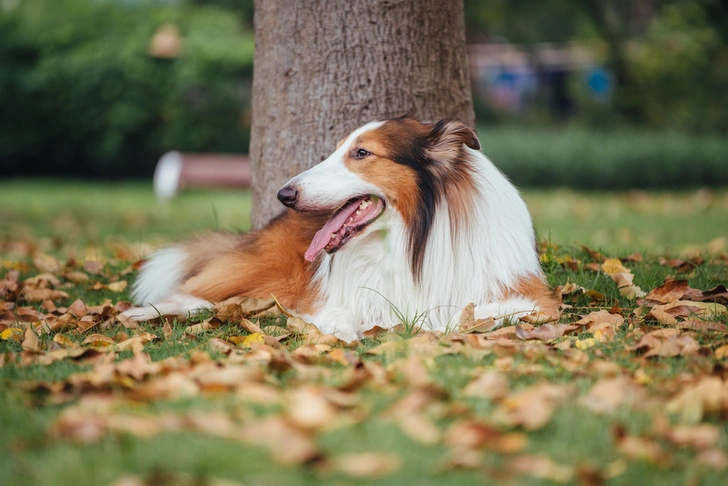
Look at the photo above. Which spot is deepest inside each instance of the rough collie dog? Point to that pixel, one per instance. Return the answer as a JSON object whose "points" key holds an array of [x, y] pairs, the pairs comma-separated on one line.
{"points": [[405, 220]]}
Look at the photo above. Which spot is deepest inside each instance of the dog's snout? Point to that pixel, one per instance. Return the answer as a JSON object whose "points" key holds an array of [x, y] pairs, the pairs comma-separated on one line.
{"points": [[288, 196]]}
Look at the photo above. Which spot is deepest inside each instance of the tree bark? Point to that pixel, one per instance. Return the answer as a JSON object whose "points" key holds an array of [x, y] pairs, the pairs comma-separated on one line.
{"points": [[324, 67]]}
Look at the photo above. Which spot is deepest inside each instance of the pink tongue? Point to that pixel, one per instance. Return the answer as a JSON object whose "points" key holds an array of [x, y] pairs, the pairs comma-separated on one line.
{"points": [[323, 236]]}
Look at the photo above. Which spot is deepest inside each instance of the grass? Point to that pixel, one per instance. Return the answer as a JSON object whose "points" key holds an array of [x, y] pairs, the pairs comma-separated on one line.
{"points": [[581, 158], [70, 218], [91, 215]]}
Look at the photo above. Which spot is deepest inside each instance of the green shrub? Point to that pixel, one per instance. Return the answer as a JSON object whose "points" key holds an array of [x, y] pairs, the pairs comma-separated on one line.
{"points": [[580, 158], [81, 95]]}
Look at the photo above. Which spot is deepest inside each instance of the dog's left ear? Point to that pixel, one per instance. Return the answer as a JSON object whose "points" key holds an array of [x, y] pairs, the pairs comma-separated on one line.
{"points": [[448, 132]]}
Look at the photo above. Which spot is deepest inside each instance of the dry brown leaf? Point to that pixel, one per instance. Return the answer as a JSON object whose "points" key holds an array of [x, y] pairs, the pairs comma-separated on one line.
{"points": [[547, 332], [98, 341], [541, 467], [532, 408], [471, 434], [706, 397], [173, 386], [715, 458], [288, 444], [700, 436], [670, 291], [118, 286], [76, 277], [666, 343], [77, 309], [695, 325], [608, 394], [599, 317], [39, 295], [508, 332], [30, 340], [237, 308], [419, 428], [131, 343], [492, 385], [308, 408], [46, 263], [94, 267], [364, 465], [639, 448]]}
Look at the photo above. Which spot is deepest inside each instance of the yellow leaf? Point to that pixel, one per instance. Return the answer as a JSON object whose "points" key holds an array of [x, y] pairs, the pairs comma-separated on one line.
{"points": [[119, 286], [585, 343], [614, 265], [13, 333], [256, 337], [720, 353]]}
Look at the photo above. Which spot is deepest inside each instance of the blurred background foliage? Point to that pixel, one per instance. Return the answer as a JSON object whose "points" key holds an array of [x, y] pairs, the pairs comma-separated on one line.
{"points": [[83, 94]]}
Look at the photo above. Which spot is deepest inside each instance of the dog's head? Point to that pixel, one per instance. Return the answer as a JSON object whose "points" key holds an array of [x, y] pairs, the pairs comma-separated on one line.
{"points": [[399, 164]]}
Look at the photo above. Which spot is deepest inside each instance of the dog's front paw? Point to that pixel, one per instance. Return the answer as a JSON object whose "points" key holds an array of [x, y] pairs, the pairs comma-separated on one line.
{"points": [[179, 305]]}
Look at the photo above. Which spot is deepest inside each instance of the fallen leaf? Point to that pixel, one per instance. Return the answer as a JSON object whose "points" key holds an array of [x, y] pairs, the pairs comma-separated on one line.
{"points": [[118, 286], [612, 266], [700, 436], [364, 465], [670, 291], [598, 317], [547, 332], [14, 333], [39, 295], [608, 394], [30, 340], [94, 267], [288, 445], [46, 263], [541, 467], [492, 385], [531, 408], [471, 434], [76, 277], [98, 341]]}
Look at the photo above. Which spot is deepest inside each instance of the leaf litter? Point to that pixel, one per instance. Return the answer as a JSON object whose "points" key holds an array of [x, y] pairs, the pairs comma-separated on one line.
{"points": [[292, 385]]}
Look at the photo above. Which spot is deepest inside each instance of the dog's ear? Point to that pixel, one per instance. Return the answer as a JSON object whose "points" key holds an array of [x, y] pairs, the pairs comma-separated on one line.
{"points": [[446, 133]]}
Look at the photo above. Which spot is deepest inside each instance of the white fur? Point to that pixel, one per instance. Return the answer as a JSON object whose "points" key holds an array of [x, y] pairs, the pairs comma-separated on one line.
{"points": [[174, 305], [160, 277], [330, 183], [369, 281]]}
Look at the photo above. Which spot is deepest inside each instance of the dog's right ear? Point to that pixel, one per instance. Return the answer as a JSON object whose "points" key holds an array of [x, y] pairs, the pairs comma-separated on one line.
{"points": [[450, 132]]}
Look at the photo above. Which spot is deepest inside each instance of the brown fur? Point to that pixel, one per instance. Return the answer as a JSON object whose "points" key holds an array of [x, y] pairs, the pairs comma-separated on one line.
{"points": [[265, 262], [397, 181], [270, 261], [441, 142]]}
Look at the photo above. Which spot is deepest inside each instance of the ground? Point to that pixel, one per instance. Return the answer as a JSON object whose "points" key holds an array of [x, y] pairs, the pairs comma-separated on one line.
{"points": [[628, 387]]}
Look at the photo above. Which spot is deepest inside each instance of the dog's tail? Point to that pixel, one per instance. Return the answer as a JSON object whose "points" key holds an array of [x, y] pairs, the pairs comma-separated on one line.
{"points": [[166, 270]]}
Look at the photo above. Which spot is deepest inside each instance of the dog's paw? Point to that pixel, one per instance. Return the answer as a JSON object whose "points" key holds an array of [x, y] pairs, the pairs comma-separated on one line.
{"points": [[178, 305]]}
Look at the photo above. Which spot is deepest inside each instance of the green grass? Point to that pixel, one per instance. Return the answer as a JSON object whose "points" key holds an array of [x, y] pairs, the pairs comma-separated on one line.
{"points": [[580, 158], [63, 217], [93, 215]]}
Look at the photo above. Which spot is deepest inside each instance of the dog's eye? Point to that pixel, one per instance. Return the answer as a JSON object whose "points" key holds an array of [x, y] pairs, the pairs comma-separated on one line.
{"points": [[361, 153]]}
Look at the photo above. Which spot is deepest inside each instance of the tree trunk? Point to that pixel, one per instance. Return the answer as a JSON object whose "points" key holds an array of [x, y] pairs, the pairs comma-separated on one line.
{"points": [[325, 67]]}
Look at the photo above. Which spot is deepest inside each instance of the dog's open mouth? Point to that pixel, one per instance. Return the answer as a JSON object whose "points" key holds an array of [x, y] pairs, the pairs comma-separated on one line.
{"points": [[344, 224]]}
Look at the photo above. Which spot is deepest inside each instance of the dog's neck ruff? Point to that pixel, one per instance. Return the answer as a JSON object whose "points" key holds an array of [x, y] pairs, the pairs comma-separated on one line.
{"points": [[476, 257]]}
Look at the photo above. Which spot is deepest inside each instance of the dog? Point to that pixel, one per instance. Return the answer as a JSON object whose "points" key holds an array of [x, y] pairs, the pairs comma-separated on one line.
{"points": [[406, 221]]}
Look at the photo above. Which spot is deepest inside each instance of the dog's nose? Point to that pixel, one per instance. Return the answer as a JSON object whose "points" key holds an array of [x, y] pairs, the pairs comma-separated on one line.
{"points": [[288, 196]]}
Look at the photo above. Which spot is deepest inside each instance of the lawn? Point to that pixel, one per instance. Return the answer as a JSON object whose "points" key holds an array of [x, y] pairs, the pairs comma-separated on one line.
{"points": [[624, 389]]}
